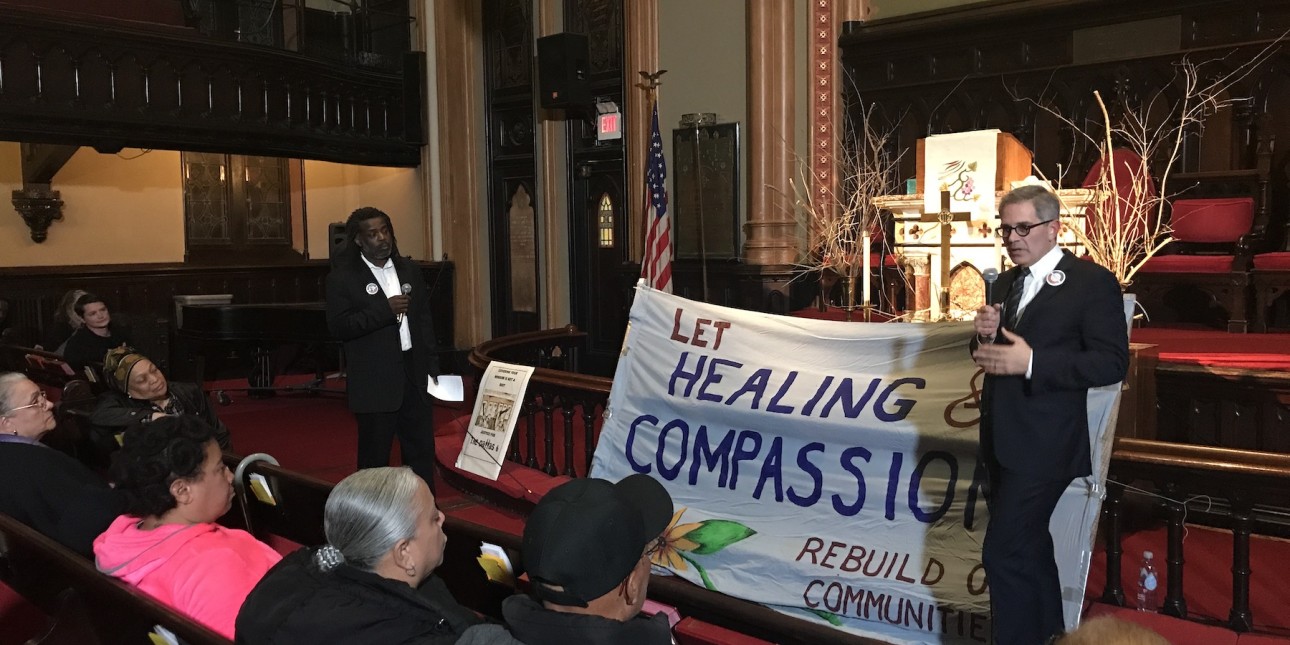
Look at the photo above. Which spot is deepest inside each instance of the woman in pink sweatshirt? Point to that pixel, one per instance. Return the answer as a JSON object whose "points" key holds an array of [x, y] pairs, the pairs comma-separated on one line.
{"points": [[169, 545]]}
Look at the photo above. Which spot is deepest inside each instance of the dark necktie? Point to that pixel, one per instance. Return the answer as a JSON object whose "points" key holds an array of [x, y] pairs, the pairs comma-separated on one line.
{"points": [[1012, 307]]}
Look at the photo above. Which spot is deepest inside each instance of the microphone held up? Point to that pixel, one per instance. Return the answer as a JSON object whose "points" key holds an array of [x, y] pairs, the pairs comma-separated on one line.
{"points": [[989, 275], [407, 288]]}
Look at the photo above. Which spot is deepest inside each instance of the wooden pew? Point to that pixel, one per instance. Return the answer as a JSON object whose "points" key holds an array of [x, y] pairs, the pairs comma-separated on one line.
{"points": [[84, 605], [298, 516], [45, 368]]}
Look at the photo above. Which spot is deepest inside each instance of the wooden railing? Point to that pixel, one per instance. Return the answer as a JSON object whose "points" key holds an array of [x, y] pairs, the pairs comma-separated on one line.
{"points": [[1241, 482], [1245, 481], [556, 387]]}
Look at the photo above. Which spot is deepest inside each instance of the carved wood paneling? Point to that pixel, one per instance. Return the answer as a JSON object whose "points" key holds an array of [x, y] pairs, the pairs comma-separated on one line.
{"points": [[143, 294], [598, 300], [512, 127], [512, 164], [985, 68], [602, 22], [508, 28], [113, 87], [1223, 407]]}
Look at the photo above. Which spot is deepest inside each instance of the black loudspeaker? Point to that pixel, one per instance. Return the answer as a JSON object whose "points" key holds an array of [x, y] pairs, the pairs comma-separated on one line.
{"points": [[335, 240], [562, 71]]}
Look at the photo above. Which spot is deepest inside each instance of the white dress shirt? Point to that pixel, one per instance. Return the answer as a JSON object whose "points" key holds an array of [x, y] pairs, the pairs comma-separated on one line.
{"points": [[388, 279], [1038, 276]]}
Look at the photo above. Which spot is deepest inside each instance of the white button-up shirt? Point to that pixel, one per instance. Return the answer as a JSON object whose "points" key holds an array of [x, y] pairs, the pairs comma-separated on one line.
{"points": [[1038, 276], [388, 279]]}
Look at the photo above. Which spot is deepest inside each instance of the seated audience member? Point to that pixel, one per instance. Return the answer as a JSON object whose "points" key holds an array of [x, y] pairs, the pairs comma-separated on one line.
{"points": [[64, 324], [138, 394], [168, 544], [586, 547], [1105, 630], [97, 335], [42, 487], [372, 582]]}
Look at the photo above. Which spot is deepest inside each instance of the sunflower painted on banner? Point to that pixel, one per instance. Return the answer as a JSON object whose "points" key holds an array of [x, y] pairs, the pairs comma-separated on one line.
{"points": [[678, 545]]}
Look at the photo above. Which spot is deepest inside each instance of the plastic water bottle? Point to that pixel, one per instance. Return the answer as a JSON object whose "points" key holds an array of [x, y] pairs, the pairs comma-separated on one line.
{"points": [[1148, 582]]}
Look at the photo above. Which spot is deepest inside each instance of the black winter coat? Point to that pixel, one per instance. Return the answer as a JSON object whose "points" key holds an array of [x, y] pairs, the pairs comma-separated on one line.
{"points": [[297, 603]]}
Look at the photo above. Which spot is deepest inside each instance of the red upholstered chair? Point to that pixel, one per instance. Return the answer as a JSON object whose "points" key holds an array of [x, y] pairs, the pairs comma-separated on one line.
{"points": [[1271, 274], [1205, 278], [1220, 226], [1271, 280], [1126, 166]]}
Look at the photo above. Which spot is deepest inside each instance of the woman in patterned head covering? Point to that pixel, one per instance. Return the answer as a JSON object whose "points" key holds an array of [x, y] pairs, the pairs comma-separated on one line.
{"points": [[140, 394]]}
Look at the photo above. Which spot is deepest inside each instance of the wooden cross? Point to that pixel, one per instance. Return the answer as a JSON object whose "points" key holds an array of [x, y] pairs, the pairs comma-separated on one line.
{"points": [[945, 217]]}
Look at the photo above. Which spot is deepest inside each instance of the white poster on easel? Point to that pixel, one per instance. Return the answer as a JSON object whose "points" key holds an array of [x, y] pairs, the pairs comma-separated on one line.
{"points": [[497, 406]]}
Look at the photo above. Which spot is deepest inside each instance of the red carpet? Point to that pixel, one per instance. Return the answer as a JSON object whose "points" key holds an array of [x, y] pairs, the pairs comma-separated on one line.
{"points": [[316, 434], [1207, 582]]}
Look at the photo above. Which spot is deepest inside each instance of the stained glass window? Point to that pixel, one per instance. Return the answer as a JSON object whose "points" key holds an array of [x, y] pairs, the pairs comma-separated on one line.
{"points": [[606, 219], [236, 207]]}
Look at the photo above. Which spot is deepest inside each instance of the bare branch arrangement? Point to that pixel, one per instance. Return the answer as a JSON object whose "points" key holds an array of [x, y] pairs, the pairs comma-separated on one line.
{"points": [[1126, 224], [839, 217]]}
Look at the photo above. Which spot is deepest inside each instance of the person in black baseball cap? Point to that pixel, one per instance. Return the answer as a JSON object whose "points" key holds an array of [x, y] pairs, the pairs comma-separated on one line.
{"points": [[586, 548]]}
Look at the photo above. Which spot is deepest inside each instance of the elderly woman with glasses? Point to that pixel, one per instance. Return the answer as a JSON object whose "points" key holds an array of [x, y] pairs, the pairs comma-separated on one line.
{"points": [[139, 394], [42, 487]]}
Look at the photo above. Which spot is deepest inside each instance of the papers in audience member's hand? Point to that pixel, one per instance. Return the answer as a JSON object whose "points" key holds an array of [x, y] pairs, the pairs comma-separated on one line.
{"points": [[496, 564], [447, 387]]}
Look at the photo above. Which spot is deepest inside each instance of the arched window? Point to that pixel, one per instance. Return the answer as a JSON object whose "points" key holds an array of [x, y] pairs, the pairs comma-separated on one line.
{"points": [[606, 221]]}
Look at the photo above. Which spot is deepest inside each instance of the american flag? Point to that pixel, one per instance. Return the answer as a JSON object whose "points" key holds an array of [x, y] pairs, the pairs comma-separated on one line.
{"points": [[656, 267]]}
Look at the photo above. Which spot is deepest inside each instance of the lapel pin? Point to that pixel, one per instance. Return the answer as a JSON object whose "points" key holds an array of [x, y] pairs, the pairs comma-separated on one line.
{"points": [[372, 288], [1056, 278]]}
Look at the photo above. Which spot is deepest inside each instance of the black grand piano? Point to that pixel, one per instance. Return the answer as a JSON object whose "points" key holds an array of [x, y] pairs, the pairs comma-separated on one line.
{"points": [[273, 336]]}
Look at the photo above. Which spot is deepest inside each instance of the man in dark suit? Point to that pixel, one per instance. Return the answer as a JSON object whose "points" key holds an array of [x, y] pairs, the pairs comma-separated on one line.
{"points": [[378, 304], [1058, 330]]}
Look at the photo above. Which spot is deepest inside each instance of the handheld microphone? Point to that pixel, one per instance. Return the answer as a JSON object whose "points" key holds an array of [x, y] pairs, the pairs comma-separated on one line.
{"points": [[989, 275], [407, 288]]}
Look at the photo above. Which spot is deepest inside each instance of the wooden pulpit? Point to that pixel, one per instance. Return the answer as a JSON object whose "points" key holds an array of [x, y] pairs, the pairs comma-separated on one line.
{"points": [[960, 178]]}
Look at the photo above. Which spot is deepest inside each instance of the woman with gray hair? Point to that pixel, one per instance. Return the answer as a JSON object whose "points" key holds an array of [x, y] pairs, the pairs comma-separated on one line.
{"points": [[373, 581], [39, 486]]}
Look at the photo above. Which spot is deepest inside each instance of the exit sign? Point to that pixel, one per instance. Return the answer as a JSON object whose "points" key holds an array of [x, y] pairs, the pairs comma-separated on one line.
{"points": [[609, 126]]}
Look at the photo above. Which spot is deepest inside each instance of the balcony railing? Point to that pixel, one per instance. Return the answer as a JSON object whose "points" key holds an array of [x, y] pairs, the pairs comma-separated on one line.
{"points": [[370, 33]]}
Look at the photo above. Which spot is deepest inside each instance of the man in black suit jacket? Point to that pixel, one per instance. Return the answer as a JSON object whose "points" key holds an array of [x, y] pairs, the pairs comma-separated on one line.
{"points": [[1059, 331], [378, 304]]}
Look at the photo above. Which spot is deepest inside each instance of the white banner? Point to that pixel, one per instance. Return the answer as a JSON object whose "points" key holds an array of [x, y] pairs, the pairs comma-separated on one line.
{"points": [[827, 469]]}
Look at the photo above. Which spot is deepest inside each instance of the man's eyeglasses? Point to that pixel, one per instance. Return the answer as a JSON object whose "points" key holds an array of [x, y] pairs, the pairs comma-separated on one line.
{"points": [[1021, 230], [40, 400]]}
